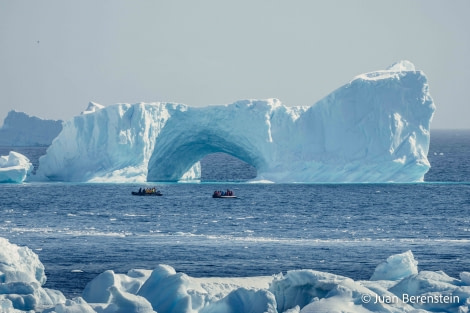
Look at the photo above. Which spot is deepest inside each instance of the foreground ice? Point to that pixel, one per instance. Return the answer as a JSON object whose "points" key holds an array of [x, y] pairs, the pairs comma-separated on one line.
{"points": [[373, 129], [14, 168], [397, 287]]}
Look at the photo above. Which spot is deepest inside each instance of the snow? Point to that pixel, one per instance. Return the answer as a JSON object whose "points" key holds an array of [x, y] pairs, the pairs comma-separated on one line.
{"points": [[92, 108], [164, 290], [373, 129], [14, 168], [402, 66], [20, 129]]}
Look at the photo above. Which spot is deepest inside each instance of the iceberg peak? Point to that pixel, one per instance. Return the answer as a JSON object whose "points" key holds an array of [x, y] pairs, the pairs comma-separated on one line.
{"points": [[92, 107], [402, 66], [395, 71]]}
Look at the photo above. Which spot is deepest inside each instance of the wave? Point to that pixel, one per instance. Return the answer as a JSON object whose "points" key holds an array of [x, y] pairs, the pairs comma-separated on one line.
{"points": [[244, 237]]}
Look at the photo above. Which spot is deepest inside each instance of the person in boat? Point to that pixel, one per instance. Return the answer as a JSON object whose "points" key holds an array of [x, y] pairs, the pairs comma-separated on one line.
{"points": [[140, 190]]}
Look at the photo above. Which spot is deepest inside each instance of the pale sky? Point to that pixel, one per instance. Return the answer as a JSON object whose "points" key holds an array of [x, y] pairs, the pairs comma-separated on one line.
{"points": [[58, 55]]}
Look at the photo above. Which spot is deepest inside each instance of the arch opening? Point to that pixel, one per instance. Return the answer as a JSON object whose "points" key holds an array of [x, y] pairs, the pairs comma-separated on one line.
{"points": [[171, 160], [223, 167]]}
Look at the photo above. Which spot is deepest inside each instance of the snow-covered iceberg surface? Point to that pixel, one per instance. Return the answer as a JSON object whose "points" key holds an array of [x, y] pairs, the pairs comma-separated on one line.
{"points": [[92, 108], [164, 290], [14, 168], [373, 129], [21, 130]]}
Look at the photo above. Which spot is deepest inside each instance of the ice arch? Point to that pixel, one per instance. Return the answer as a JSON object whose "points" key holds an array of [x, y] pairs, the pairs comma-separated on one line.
{"points": [[171, 162], [210, 130], [373, 129]]}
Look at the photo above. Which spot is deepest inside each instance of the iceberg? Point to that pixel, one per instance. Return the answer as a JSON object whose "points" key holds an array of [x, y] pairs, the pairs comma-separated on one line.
{"points": [[376, 128], [164, 290], [22, 130], [14, 168]]}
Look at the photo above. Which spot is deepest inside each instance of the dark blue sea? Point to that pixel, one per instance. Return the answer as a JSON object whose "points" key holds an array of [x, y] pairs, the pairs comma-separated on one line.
{"points": [[81, 230]]}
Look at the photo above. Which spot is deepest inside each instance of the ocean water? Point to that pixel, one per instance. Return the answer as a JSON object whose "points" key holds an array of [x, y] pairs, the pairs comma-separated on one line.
{"points": [[81, 230]]}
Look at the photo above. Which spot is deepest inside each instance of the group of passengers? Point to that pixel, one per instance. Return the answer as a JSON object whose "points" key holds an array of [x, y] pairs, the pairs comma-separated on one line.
{"points": [[219, 193], [148, 190]]}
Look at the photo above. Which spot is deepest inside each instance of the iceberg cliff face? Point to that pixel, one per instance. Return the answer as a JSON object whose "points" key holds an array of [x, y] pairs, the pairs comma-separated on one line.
{"points": [[374, 129], [112, 144]]}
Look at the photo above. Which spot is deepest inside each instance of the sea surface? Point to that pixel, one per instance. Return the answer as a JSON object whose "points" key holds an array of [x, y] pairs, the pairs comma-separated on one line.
{"points": [[81, 230]]}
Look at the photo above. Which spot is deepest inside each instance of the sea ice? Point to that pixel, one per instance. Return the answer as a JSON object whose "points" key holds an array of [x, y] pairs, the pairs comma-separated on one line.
{"points": [[21, 279], [396, 267], [14, 168], [373, 129], [164, 290]]}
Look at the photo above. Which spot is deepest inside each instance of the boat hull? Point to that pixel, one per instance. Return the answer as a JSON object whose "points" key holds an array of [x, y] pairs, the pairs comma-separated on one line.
{"points": [[136, 193]]}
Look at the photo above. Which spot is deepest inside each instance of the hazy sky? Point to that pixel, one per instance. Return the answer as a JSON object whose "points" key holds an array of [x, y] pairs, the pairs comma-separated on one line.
{"points": [[57, 55]]}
